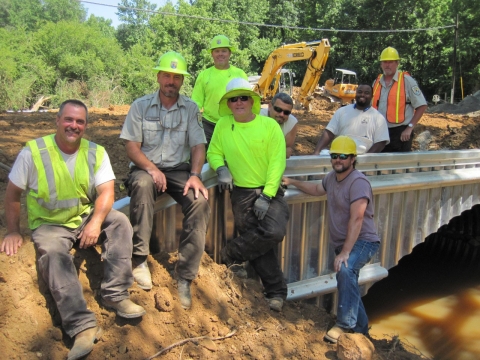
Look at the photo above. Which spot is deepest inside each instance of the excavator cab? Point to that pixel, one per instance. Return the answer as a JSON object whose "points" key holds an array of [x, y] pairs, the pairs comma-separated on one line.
{"points": [[342, 87], [282, 82], [286, 81]]}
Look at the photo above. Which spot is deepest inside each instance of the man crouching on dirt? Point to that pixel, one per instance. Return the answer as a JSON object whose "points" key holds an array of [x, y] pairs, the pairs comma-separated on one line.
{"points": [[63, 174], [254, 148], [161, 130], [352, 231]]}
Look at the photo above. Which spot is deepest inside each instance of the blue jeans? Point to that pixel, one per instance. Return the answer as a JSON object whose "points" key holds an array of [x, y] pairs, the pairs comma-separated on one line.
{"points": [[350, 311]]}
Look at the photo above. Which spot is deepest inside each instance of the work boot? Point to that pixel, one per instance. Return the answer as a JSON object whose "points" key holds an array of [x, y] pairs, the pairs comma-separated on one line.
{"points": [[141, 274], [275, 303], [334, 333], [236, 267], [84, 341], [125, 308], [183, 288]]}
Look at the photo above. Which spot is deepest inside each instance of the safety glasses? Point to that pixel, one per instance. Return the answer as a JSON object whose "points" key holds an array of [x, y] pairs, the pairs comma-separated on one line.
{"points": [[341, 156], [280, 110], [241, 98]]}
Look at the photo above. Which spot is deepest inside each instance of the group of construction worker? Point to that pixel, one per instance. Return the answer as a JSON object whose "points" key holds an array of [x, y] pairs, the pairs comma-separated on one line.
{"points": [[69, 183]]}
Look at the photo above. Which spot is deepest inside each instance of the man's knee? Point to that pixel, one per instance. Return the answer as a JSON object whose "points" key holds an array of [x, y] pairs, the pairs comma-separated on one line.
{"points": [[199, 215]]}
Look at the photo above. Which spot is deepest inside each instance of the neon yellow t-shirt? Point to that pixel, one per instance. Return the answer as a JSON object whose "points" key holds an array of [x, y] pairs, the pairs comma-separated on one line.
{"points": [[254, 151], [210, 87]]}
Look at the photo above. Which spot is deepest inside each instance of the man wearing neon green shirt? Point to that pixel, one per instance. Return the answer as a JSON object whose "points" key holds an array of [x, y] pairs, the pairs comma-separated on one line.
{"points": [[254, 148], [210, 85]]}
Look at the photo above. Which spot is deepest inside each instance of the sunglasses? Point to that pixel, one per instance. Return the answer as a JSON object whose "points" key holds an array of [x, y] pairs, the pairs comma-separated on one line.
{"points": [[341, 156], [241, 98], [280, 110]]}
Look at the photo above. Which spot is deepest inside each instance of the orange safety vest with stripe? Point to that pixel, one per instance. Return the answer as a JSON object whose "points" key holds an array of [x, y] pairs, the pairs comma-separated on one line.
{"points": [[61, 199], [396, 101]]}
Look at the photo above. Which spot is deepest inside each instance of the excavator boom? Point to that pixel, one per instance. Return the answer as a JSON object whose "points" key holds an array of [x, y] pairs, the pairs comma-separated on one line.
{"points": [[316, 52]]}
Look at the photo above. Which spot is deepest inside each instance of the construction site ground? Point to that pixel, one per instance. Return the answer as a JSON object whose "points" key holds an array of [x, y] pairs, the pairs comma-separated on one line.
{"points": [[222, 304]]}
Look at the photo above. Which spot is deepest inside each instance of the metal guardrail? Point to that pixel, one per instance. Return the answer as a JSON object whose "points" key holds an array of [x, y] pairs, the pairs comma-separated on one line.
{"points": [[415, 194]]}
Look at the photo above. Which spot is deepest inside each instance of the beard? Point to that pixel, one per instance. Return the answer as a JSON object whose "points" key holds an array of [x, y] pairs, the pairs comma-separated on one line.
{"points": [[340, 168]]}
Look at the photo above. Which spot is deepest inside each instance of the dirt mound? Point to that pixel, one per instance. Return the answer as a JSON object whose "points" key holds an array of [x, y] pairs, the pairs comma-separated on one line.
{"points": [[468, 105]]}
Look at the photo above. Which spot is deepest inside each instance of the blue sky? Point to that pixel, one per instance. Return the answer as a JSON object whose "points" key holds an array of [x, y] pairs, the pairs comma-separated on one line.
{"points": [[108, 12]]}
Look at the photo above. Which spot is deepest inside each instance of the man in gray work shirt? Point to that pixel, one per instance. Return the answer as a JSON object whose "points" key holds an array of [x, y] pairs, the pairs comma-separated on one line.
{"points": [[161, 131]]}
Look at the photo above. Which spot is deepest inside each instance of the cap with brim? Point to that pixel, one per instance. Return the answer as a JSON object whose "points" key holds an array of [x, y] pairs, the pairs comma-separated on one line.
{"points": [[238, 87]]}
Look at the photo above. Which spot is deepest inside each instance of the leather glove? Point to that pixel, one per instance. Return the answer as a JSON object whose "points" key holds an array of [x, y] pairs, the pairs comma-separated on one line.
{"points": [[225, 181], [261, 206]]}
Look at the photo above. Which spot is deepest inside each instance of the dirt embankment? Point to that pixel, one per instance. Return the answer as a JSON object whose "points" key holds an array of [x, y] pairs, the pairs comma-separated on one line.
{"points": [[29, 323]]}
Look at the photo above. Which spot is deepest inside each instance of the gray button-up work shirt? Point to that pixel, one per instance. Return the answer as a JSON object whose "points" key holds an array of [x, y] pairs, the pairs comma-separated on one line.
{"points": [[166, 135]]}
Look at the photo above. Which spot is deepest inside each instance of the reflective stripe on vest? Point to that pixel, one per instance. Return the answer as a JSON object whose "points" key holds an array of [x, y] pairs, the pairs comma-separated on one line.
{"points": [[396, 100], [61, 199]]}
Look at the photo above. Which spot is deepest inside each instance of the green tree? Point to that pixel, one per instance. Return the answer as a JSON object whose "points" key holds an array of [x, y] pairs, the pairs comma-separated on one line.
{"points": [[31, 14], [134, 22]]}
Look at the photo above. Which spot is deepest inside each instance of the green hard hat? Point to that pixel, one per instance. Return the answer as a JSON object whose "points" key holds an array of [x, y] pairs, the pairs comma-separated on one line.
{"points": [[172, 62], [221, 41]]}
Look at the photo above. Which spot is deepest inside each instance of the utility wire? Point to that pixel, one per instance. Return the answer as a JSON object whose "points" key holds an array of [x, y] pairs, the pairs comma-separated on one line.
{"points": [[266, 25]]}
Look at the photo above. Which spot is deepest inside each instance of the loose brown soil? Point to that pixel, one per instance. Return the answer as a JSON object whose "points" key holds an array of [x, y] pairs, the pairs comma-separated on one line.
{"points": [[29, 323]]}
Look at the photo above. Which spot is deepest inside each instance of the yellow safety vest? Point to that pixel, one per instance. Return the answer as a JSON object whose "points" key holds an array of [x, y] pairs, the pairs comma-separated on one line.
{"points": [[61, 199]]}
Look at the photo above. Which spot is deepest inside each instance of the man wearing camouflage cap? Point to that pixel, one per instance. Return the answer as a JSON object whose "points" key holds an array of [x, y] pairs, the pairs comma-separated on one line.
{"points": [[161, 131], [210, 85]]}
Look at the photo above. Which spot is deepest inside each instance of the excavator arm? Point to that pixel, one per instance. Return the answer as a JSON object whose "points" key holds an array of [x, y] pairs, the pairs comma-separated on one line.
{"points": [[315, 52]]}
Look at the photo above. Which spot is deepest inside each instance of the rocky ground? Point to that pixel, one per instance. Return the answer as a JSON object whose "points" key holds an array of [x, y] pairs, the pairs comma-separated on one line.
{"points": [[230, 313]]}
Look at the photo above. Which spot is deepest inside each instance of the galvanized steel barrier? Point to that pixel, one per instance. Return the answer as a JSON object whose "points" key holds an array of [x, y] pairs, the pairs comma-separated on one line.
{"points": [[415, 194]]}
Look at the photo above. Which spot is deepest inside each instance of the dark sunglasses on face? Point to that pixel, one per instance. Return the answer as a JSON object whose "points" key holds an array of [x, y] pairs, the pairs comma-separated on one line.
{"points": [[280, 110], [241, 98], [341, 156]]}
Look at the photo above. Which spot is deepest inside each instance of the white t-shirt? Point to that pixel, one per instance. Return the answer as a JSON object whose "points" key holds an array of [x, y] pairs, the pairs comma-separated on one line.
{"points": [[365, 127], [24, 173], [287, 126]]}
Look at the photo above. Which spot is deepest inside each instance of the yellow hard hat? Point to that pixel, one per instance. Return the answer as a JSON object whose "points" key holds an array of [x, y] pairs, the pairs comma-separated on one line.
{"points": [[389, 54], [221, 41], [343, 145], [172, 62]]}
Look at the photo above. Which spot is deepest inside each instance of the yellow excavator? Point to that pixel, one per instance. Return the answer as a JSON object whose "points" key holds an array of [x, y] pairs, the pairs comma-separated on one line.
{"points": [[342, 87], [316, 52]]}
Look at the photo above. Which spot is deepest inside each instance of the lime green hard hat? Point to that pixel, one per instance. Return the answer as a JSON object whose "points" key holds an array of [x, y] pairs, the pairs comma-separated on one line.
{"points": [[343, 145], [221, 41], [389, 54], [172, 62]]}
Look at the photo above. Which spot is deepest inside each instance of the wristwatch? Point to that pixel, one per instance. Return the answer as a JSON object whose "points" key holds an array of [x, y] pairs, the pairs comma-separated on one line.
{"points": [[196, 174], [410, 125]]}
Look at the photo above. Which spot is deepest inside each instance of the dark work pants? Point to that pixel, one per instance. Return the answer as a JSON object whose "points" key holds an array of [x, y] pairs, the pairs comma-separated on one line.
{"points": [[196, 216], [259, 239], [56, 266], [397, 145]]}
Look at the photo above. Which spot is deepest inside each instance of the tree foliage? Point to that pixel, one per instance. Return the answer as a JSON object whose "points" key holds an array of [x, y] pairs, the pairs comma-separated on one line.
{"points": [[47, 47]]}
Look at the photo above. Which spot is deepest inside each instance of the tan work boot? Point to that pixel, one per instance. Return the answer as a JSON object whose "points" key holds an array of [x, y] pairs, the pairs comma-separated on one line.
{"points": [[84, 341], [334, 333], [141, 274], [125, 308], [275, 303]]}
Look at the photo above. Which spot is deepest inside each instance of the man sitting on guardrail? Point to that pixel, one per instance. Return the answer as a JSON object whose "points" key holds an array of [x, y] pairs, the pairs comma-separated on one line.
{"points": [[248, 153], [352, 231], [166, 144], [69, 183]]}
